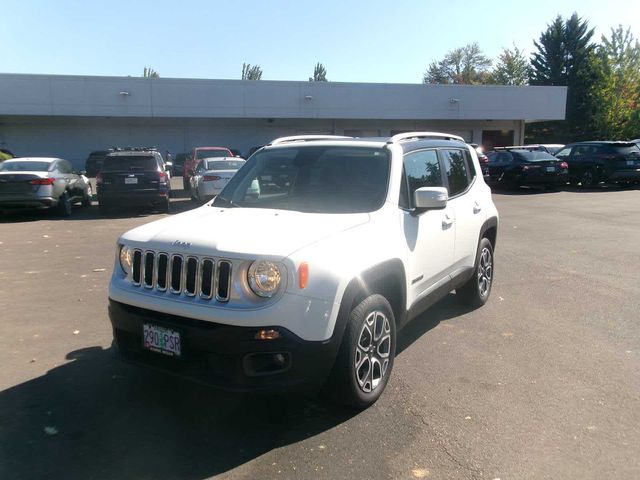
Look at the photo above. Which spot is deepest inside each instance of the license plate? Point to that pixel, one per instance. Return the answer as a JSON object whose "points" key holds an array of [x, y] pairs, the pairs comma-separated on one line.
{"points": [[631, 162], [161, 340], [131, 181], [551, 169]]}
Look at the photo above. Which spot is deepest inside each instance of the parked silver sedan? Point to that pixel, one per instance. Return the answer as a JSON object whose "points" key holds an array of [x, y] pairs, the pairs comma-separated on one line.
{"points": [[211, 176], [42, 183]]}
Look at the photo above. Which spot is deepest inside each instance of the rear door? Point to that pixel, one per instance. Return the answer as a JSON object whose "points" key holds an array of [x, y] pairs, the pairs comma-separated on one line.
{"points": [[467, 204]]}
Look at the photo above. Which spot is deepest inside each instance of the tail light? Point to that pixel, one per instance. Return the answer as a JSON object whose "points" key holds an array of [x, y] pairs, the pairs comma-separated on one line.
{"points": [[42, 181], [99, 178], [164, 178], [210, 178], [564, 166]]}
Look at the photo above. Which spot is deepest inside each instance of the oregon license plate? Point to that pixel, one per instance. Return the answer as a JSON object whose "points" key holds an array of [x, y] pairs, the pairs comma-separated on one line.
{"points": [[131, 181], [161, 340]]}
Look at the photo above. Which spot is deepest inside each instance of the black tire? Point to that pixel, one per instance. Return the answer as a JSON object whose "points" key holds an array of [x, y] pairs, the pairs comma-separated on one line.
{"points": [[589, 178], [86, 201], [477, 290], [103, 208], [64, 205], [354, 386]]}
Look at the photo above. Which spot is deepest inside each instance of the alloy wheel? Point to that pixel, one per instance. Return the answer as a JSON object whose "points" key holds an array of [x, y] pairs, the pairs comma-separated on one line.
{"points": [[372, 351], [485, 272]]}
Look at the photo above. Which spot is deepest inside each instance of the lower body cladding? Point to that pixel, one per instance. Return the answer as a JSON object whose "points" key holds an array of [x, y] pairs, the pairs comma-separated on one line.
{"points": [[229, 357]]}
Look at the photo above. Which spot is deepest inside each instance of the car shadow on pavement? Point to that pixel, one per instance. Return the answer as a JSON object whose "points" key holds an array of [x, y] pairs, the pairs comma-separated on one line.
{"points": [[97, 417], [444, 310]]}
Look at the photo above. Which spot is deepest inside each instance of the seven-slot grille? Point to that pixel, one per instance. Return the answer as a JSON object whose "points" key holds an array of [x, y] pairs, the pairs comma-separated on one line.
{"points": [[182, 274]]}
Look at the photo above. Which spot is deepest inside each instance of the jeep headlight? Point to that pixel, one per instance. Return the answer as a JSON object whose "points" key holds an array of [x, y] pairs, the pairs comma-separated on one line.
{"points": [[264, 278], [126, 259]]}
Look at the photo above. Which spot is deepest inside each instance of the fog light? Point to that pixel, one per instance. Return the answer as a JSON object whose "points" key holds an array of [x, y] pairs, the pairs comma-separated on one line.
{"points": [[279, 359], [267, 335]]}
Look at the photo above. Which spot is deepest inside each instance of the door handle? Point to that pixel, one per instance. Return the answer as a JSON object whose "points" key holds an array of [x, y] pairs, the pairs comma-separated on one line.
{"points": [[477, 208], [447, 221]]}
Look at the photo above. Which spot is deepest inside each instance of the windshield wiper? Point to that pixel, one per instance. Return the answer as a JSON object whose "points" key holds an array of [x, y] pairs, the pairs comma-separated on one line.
{"points": [[225, 202]]}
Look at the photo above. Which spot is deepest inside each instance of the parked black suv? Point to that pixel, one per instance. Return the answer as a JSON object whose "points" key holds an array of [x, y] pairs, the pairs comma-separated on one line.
{"points": [[591, 163], [134, 177], [93, 164]]}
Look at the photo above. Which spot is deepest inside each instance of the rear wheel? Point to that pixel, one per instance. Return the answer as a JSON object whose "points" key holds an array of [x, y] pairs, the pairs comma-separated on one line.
{"points": [[589, 178], [366, 356], [64, 205], [476, 291]]}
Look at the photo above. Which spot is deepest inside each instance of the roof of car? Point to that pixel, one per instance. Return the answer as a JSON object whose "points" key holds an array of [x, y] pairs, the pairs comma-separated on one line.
{"points": [[211, 148], [602, 142], [33, 159], [137, 153]]}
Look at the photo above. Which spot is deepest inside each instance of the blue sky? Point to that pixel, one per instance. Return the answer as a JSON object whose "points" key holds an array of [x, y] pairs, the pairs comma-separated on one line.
{"points": [[357, 41]]}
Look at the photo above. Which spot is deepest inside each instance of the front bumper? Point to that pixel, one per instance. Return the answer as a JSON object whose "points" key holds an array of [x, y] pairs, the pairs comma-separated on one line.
{"points": [[225, 356]]}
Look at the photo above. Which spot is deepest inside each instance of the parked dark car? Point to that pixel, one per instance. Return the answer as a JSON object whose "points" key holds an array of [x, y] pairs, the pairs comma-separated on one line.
{"points": [[513, 167], [591, 163], [93, 164], [133, 177]]}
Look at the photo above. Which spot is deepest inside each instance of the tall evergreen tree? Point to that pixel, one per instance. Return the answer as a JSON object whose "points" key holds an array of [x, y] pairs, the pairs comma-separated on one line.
{"points": [[251, 72], [565, 55], [149, 72], [319, 73]]}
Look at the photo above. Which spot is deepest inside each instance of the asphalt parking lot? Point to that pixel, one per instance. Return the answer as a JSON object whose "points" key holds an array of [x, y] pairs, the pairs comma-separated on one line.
{"points": [[543, 382]]}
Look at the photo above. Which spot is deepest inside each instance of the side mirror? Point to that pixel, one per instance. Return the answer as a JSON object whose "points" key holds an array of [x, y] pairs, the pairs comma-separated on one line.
{"points": [[430, 198]]}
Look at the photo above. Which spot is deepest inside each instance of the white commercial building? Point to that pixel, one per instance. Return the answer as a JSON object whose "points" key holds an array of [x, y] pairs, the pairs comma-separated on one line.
{"points": [[69, 116]]}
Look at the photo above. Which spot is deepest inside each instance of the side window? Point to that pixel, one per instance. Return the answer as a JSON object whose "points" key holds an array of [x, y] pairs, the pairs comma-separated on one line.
{"points": [[422, 169], [563, 154], [470, 166], [581, 151], [456, 169]]}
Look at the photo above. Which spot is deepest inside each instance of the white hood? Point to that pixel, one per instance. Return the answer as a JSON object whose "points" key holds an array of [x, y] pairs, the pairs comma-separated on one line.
{"points": [[240, 232]]}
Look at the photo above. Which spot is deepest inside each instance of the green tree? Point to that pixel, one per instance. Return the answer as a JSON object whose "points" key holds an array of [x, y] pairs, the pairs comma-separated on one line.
{"points": [[319, 73], [512, 68], [464, 65], [565, 55], [150, 73], [251, 72], [618, 115]]}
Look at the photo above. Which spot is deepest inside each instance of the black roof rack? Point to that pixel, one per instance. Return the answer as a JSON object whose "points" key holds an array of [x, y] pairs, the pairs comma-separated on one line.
{"points": [[134, 149]]}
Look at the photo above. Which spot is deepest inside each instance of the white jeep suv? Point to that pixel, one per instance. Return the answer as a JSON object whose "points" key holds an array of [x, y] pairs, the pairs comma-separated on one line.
{"points": [[308, 283]]}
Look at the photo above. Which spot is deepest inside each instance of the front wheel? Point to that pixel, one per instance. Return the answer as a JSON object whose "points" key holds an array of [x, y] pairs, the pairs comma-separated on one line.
{"points": [[476, 291], [366, 356], [589, 178]]}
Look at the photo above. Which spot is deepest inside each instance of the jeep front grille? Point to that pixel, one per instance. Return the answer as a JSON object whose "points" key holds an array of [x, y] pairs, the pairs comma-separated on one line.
{"points": [[187, 275]]}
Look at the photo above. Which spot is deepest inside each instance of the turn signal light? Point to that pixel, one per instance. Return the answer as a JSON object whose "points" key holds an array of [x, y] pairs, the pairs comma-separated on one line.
{"points": [[303, 275], [42, 181], [564, 165], [269, 334]]}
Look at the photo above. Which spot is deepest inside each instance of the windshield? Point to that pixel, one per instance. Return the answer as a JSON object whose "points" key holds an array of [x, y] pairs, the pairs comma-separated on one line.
{"points": [[17, 166], [222, 164], [535, 156], [129, 163], [200, 154], [311, 179]]}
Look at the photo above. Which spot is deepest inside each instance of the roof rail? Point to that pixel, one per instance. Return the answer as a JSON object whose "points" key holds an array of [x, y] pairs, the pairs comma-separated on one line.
{"points": [[305, 138], [423, 135], [522, 147]]}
